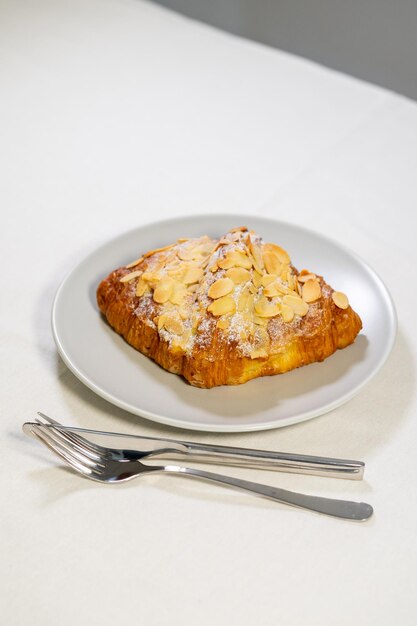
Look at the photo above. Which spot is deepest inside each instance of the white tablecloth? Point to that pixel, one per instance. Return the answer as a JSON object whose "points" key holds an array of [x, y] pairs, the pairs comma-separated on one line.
{"points": [[114, 113]]}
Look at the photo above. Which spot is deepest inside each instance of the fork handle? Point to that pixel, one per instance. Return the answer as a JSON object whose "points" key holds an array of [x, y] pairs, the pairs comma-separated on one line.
{"points": [[344, 509]]}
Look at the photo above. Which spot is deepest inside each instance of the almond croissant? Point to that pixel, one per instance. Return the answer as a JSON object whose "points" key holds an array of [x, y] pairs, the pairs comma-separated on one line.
{"points": [[220, 312]]}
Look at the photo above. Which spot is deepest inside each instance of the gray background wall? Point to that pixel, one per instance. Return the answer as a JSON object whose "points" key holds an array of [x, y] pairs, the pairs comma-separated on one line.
{"points": [[372, 39]]}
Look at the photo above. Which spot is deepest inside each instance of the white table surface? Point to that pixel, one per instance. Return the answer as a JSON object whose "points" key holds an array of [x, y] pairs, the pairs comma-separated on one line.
{"points": [[114, 113]]}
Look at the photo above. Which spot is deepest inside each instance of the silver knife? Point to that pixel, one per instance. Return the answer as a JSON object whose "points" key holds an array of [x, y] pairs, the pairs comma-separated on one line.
{"points": [[152, 447]]}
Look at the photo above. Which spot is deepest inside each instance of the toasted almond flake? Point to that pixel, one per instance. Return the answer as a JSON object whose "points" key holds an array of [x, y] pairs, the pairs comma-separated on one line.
{"points": [[252, 288], [235, 258], [311, 291], [340, 299], [134, 263], [297, 304], [256, 253], [176, 272], [257, 279], [238, 275], [265, 308], [260, 321], [214, 268], [287, 313], [267, 279], [281, 288], [178, 293], [163, 290], [282, 254], [221, 287], [180, 341], [245, 301], [272, 290], [141, 287], [223, 323], [187, 253], [192, 275], [272, 262], [173, 324], [286, 273], [183, 312], [128, 277], [303, 278], [182, 240], [222, 306], [151, 277]]}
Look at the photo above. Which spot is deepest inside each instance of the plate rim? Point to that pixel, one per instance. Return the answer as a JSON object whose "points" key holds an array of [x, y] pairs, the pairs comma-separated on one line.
{"points": [[229, 428]]}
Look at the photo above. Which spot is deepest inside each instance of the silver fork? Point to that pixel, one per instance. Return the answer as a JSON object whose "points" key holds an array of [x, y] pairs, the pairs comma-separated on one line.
{"points": [[107, 466]]}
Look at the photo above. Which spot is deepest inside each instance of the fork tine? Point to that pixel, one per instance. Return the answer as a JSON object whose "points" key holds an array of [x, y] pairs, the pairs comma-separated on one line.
{"points": [[69, 460], [93, 447], [75, 445], [66, 447]]}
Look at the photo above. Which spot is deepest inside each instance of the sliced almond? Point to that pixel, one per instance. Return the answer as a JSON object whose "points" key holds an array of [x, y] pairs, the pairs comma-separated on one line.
{"points": [[272, 262], [287, 313], [128, 277], [265, 308], [282, 254], [267, 279], [213, 268], [152, 278], [257, 279], [303, 278], [260, 321], [245, 301], [222, 306], [286, 273], [235, 258], [281, 288], [183, 312], [180, 341], [223, 323], [221, 287], [271, 291], [192, 275], [238, 275], [297, 304], [256, 253], [163, 290], [340, 299], [311, 291], [187, 253], [178, 294], [134, 263], [176, 272], [141, 287], [173, 324]]}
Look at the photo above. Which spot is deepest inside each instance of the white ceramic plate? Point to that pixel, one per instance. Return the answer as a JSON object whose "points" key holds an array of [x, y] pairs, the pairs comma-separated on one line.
{"points": [[110, 367]]}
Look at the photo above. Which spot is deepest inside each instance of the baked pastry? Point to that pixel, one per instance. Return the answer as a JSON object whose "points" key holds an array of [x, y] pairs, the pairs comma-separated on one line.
{"points": [[220, 312]]}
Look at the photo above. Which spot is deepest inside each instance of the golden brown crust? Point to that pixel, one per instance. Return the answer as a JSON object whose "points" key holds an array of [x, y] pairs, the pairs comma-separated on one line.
{"points": [[249, 334]]}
